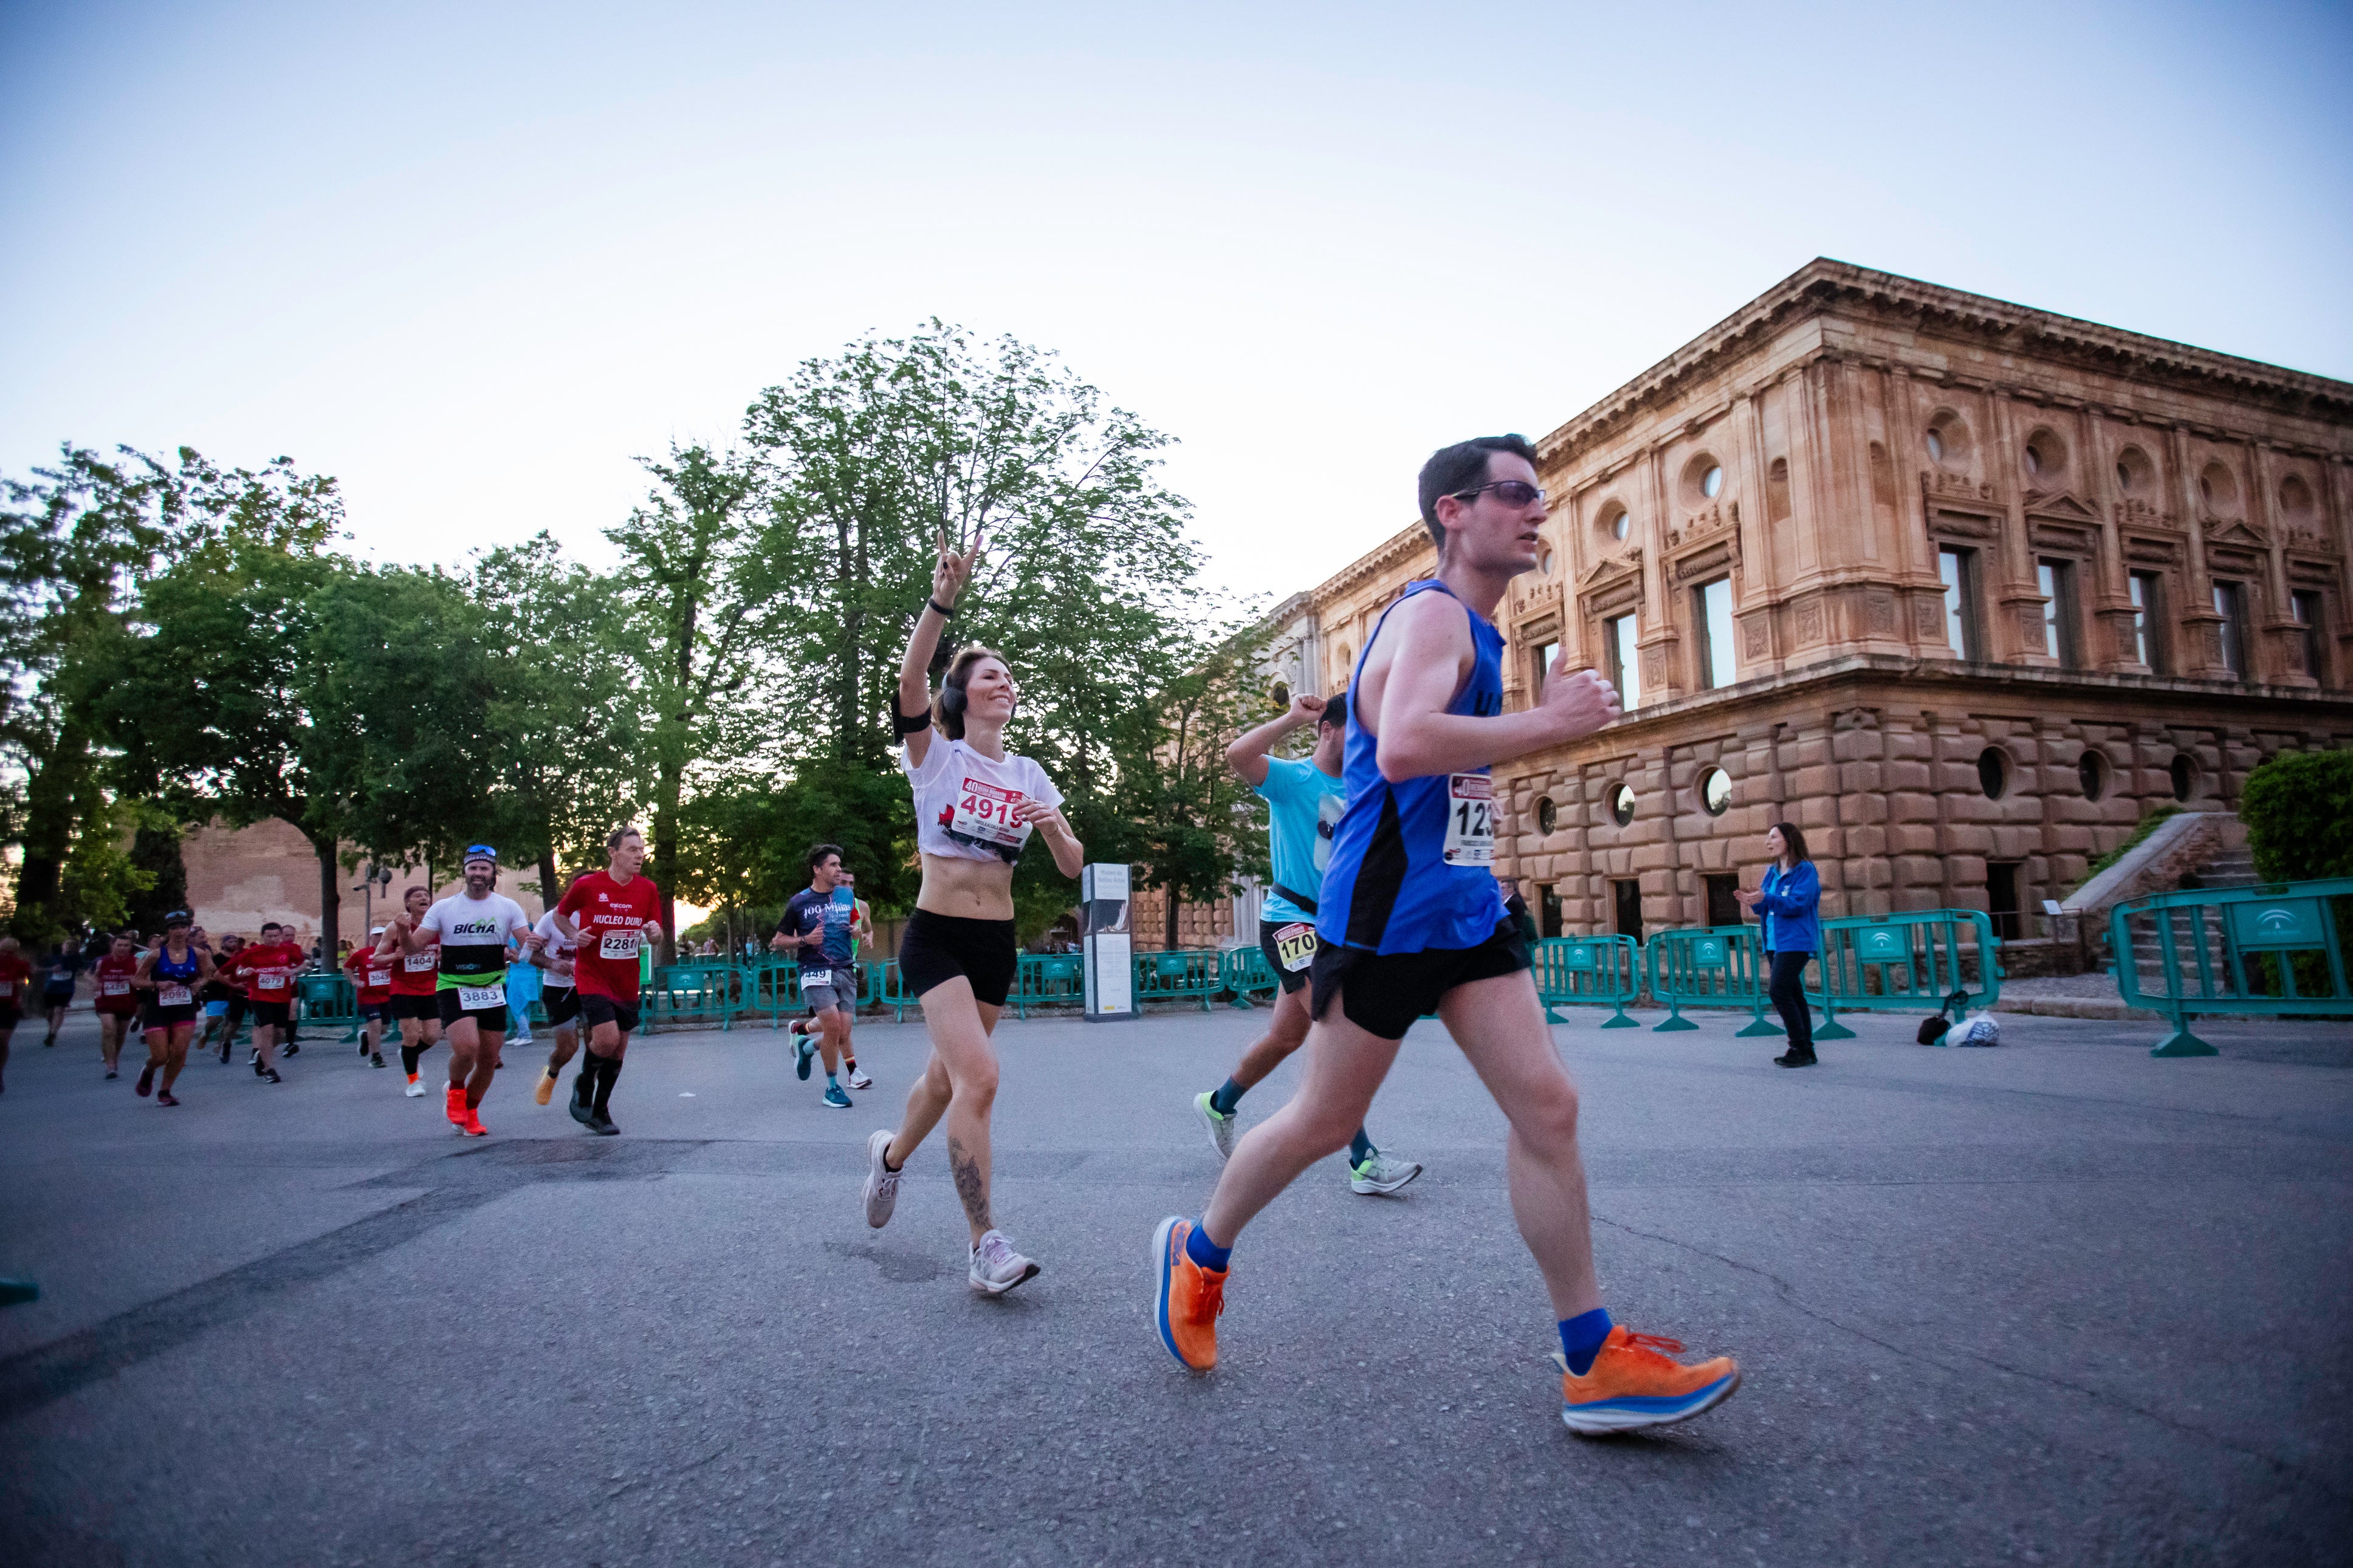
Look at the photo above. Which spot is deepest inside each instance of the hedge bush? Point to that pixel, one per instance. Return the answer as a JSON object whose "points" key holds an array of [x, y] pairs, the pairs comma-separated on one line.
{"points": [[2299, 809]]}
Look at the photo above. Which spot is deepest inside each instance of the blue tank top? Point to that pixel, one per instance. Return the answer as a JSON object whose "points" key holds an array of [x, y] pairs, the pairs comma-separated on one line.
{"points": [[1388, 888], [164, 969]]}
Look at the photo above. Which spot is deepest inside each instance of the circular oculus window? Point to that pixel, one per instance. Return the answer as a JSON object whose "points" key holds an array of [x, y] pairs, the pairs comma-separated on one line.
{"points": [[1715, 791], [1993, 772], [1621, 804]]}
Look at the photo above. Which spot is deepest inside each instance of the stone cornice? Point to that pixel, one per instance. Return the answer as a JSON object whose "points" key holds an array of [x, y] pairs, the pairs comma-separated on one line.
{"points": [[1372, 563], [1823, 286]]}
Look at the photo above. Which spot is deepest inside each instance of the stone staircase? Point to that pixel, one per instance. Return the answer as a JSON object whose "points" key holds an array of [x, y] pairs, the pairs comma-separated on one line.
{"points": [[2228, 868]]}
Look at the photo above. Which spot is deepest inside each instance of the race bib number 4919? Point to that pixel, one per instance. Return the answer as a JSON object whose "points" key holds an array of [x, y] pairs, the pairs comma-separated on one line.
{"points": [[1470, 820], [985, 812]]}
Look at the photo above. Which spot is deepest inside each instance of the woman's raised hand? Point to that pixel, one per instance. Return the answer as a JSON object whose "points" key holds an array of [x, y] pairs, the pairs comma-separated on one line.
{"points": [[953, 572]]}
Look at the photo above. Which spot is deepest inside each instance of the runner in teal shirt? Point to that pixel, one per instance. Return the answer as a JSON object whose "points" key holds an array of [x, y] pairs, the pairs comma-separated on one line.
{"points": [[1304, 800]]}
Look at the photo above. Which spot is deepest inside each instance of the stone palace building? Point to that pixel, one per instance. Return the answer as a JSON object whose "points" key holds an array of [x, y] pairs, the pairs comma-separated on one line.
{"points": [[1961, 588]]}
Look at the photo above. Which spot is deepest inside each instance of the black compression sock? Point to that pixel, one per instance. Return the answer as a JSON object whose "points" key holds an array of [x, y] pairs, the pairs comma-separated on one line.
{"points": [[408, 1058], [1227, 1095], [1360, 1149], [607, 1069]]}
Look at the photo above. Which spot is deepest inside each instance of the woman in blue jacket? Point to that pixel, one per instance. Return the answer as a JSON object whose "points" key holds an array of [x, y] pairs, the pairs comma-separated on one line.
{"points": [[1788, 901]]}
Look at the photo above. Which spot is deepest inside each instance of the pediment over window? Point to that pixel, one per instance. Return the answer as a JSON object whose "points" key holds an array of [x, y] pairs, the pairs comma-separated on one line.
{"points": [[1628, 565], [2059, 506], [2237, 531]]}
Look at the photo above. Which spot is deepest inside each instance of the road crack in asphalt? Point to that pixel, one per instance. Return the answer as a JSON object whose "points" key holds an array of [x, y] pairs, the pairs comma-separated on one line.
{"points": [[1789, 1294]]}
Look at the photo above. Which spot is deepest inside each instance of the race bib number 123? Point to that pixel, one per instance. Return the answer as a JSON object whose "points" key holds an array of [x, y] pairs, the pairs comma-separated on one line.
{"points": [[1470, 820]]}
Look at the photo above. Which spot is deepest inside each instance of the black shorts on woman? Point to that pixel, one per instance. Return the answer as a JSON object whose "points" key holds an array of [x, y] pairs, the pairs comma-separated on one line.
{"points": [[935, 949]]}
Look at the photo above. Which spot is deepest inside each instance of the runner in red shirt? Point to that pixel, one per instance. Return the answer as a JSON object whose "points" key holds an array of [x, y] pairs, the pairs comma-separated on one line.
{"points": [[116, 1001], [415, 977], [269, 966], [15, 974], [610, 914], [372, 980]]}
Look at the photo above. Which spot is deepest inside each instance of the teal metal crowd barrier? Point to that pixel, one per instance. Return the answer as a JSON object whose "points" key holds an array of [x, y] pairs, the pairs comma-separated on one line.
{"points": [[889, 990], [713, 991], [1049, 980], [2264, 951], [1916, 961], [1710, 966], [1247, 972], [1590, 971], [329, 998], [1184, 974]]}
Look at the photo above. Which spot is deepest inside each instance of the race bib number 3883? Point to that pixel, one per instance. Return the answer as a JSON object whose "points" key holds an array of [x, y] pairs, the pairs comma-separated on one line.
{"points": [[985, 812], [1470, 820]]}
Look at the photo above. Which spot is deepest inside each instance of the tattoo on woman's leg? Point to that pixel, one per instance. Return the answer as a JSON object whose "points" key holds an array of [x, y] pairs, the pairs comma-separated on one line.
{"points": [[970, 1186]]}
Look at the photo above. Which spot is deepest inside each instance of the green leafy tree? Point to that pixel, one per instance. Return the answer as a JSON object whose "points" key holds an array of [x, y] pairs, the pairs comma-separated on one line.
{"points": [[73, 538], [699, 589], [213, 697], [1087, 584], [2299, 809], [565, 731]]}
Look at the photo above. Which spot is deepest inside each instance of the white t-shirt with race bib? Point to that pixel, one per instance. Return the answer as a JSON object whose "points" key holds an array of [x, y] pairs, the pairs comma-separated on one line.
{"points": [[964, 801]]}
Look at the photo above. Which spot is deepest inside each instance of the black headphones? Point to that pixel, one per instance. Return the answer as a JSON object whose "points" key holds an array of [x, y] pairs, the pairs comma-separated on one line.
{"points": [[952, 698]]}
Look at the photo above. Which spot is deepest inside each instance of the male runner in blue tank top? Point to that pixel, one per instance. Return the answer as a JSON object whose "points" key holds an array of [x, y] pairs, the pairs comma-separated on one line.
{"points": [[1411, 919]]}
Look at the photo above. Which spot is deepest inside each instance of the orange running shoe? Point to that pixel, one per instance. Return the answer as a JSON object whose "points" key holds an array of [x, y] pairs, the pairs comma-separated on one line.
{"points": [[453, 1102], [472, 1125], [1186, 1298], [1632, 1384], [546, 1089]]}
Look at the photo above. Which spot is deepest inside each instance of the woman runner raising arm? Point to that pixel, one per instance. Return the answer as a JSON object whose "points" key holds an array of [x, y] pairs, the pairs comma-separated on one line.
{"points": [[975, 807]]}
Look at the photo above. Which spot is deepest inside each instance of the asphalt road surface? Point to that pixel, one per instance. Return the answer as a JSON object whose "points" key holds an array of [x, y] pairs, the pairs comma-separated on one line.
{"points": [[2055, 1302]]}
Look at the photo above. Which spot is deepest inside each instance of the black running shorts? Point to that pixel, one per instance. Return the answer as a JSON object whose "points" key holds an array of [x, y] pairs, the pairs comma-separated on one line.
{"points": [[160, 1019], [1289, 931], [1383, 993], [562, 1004], [10, 1014], [595, 1009], [494, 1019], [935, 949], [375, 1011], [426, 1008], [268, 1015]]}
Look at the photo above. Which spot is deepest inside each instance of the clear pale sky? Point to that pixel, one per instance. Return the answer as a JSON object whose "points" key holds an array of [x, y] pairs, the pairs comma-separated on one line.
{"points": [[473, 258]]}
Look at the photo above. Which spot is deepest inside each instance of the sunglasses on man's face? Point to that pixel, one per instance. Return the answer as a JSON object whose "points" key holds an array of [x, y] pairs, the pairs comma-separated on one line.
{"points": [[1511, 492]]}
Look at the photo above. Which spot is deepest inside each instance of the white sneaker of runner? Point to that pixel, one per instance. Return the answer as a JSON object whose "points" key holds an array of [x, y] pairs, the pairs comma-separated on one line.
{"points": [[857, 1080], [1380, 1174], [415, 1089], [996, 1267], [881, 1181]]}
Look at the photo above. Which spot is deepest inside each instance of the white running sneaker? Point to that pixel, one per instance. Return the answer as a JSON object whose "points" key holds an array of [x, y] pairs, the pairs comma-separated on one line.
{"points": [[996, 1267], [1380, 1174], [881, 1181], [858, 1080], [1221, 1128], [415, 1089]]}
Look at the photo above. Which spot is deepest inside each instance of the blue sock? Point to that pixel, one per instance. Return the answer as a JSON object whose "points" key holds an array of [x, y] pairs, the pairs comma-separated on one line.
{"points": [[830, 1083], [1203, 1251], [1581, 1338], [1226, 1096], [1360, 1149]]}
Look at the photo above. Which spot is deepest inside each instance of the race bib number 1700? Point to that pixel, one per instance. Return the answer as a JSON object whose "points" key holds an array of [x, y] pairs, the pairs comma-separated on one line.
{"points": [[985, 812], [1470, 820]]}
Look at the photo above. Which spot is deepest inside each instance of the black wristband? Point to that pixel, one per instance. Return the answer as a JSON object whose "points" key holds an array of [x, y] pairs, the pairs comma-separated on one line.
{"points": [[945, 614]]}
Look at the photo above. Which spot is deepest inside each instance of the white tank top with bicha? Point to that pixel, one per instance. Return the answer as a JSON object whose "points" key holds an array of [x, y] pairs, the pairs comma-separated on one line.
{"points": [[964, 801]]}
